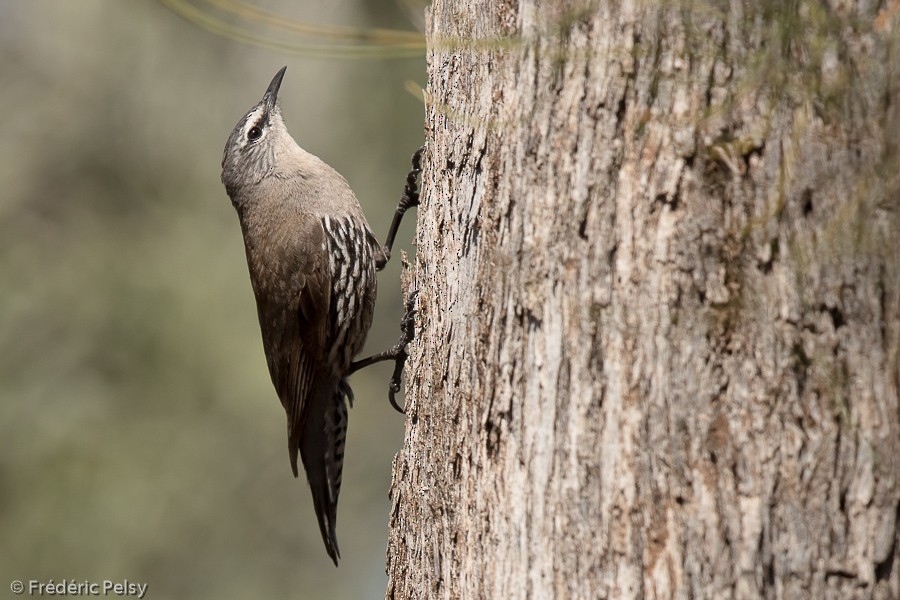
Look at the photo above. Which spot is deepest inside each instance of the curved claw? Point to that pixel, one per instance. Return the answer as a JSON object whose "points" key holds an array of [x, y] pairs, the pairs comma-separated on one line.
{"points": [[408, 332], [393, 399], [397, 377]]}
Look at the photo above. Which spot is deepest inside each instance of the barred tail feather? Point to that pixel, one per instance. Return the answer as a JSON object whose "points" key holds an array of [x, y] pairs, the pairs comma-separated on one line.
{"points": [[322, 451], [336, 423]]}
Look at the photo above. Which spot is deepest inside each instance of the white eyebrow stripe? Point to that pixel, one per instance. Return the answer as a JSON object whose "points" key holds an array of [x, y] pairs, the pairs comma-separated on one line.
{"points": [[251, 119]]}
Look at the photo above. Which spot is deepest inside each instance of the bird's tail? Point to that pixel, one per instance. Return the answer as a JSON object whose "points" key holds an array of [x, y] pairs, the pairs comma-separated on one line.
{"points": [[322, 452]]}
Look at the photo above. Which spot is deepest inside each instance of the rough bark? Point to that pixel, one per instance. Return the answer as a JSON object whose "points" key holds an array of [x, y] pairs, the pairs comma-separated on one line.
{"points": [[658, 319]]}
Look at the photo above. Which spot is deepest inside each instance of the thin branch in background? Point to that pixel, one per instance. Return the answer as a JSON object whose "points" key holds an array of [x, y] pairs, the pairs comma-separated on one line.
{"points": [[415, 90], [235, 19]]}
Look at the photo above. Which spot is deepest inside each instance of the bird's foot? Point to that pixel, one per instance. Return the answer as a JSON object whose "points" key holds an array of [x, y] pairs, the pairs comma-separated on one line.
{"points": [[409, 200], [396, 353]]}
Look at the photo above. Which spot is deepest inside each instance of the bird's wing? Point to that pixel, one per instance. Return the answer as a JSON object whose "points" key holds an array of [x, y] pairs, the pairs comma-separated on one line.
{"points": [[293, 313]]}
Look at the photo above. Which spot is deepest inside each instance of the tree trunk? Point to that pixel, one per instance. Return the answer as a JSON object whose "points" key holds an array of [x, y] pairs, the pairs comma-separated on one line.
{"points": [[658, 326]]}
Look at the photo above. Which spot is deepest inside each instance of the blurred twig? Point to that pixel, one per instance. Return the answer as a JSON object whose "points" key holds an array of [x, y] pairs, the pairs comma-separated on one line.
{"points": [[235, 19]]}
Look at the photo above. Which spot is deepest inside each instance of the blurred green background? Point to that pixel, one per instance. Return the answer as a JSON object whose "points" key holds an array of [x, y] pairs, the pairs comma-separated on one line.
{"points": [[141, 436]]}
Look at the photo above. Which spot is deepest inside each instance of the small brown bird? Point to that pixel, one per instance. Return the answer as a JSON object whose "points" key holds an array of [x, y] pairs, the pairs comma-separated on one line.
{"points": [[312, 260]]}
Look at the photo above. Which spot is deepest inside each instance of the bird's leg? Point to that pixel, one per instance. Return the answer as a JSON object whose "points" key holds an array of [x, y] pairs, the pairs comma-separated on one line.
{"points": [[409, 199], [397, 352]]}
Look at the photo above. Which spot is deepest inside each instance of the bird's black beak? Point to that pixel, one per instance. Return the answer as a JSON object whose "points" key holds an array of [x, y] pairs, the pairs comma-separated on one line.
{"points": [[271, 95]]}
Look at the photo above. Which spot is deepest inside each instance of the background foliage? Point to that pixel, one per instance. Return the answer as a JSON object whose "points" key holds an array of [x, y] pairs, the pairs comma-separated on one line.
{"points": [[141, 435]]}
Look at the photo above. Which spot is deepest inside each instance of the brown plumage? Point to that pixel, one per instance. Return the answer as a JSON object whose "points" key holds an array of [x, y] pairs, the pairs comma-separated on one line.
{"points": [[312, 260]]}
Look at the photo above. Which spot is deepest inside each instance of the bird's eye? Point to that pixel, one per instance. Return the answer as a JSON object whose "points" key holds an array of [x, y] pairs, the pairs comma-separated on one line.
{"points": [[254, 133]]}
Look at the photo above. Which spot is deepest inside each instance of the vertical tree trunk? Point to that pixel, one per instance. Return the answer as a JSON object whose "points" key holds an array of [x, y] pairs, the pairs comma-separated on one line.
{"points": [[658, 274]]}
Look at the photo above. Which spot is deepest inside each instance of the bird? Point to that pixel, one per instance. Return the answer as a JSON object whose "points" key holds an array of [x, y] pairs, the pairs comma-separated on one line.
{"points": [[312, 259]]}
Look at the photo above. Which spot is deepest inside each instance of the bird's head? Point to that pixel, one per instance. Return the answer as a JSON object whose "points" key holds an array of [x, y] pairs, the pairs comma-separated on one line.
{"points": [[255, 142]]}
